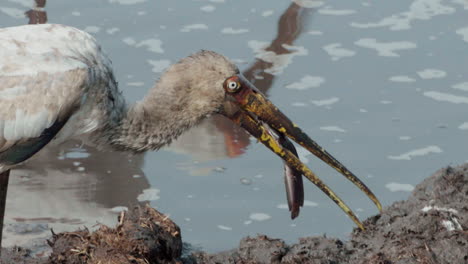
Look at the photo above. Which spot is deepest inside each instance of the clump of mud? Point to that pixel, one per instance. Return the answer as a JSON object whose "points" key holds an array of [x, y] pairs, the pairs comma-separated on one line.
{"points": [[141, 237], [430, 227]]}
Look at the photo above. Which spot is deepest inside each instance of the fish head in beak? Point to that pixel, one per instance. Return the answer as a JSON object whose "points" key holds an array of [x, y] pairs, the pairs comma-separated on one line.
{"points": [[249, 108]]}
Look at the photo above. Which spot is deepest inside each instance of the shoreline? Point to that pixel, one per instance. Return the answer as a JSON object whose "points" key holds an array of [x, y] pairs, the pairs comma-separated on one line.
{"points": [[431, 226]]}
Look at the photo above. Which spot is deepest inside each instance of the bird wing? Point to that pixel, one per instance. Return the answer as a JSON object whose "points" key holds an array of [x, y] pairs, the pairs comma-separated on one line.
{"points": [[45, 71], [34, 108]]}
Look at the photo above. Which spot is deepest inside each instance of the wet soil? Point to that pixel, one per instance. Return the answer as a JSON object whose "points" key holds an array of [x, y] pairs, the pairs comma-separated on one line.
{"points": [[430, 227]]}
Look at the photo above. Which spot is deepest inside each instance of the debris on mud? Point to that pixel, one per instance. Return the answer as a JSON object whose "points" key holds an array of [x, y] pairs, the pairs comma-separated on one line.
{"points": [[430, 227], [140, 237]]}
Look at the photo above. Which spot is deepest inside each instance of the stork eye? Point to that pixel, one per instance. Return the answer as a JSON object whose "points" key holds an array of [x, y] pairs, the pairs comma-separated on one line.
{"points": [[232, 84]]}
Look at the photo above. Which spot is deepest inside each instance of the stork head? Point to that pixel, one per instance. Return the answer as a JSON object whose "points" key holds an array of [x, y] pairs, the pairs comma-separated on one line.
{"points": [[208, 83]]}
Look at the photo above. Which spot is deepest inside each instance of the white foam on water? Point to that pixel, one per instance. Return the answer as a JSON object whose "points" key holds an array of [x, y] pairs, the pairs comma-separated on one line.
{"points": [[191, 27], [446, 97], [385, 49], [417, 153], [326, 102], [223, 227], [282, 206], [127, 2], [464, 3], [336, 12], [208, 8], [112, 31], [418, 10], [404, 138], [267, 13], [336, 52], [310, 203], [461, 86], [279, 61], [230, 30], [129, 41], [309, 3], [401, 78], [399, 187], [463, 126], [159, 65], [259, 217], [431, 74], [153, 45], [135, 84], [151, 194], [306, 82], [299, 104], [315, 32], [463, 32], [333, 129]]}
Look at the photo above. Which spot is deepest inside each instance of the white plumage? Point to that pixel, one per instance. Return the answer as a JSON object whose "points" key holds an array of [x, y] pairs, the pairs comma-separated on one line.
{"points": [[46, 72]]}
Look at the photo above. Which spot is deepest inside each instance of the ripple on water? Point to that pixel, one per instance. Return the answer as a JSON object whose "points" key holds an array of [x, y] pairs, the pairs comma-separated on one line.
{"points": [[431, 74], [336, 12], [223, 227], [336, 52], [463, 32], [112, 31], [463, 126], [230, 30], [461, 86], [385, 49], [399, 187], [417, 153], [446, 97], [279, 61], [309, 3], [401, 78], [191, 27], [127, 2], [267, 13], [306, 82], [259, 217], [326, 102], [208, 8], [418, 10], [159, 65], [333, 129], [151, 194]]}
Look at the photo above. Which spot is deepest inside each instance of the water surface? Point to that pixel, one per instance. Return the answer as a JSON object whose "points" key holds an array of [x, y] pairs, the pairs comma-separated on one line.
{"points": [[382, 86]]}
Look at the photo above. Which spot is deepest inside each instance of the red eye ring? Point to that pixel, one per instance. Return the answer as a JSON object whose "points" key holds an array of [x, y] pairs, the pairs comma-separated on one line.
{"points": [[232, 84]]}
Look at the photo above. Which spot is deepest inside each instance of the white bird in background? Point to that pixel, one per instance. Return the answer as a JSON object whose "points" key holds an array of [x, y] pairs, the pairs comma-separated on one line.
{"points": [[57, 84]]}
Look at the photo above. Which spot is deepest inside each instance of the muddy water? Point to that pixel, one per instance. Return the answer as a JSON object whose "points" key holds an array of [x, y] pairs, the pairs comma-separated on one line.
{"points": [[382, 86]]}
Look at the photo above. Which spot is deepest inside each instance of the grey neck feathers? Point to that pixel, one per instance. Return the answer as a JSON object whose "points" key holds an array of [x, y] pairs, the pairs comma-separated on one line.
{"points": [[141, 129], [187, 92]]}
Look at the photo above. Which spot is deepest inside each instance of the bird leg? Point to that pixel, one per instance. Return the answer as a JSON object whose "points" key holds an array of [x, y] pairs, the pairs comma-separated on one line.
{"points": [[4, 176]]}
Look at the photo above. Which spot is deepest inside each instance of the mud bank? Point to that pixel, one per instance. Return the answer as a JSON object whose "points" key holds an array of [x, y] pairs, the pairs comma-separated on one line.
{"points": [[430, 227]]}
